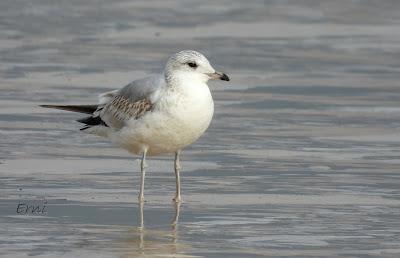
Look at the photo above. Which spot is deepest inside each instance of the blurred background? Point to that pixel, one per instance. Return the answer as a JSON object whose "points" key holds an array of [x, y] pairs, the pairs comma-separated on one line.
{"points": [[301, 160]]}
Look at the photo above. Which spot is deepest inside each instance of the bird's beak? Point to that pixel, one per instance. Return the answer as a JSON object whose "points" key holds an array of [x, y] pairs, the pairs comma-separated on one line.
{"points": [[219, 76]]}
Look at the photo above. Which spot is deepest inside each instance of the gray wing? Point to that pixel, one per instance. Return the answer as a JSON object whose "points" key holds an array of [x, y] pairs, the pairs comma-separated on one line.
{"points": [[132, 101], [142, 88]]}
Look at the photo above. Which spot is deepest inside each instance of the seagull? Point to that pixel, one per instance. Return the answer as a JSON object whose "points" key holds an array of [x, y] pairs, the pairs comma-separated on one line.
{"points": [[160, 114]]}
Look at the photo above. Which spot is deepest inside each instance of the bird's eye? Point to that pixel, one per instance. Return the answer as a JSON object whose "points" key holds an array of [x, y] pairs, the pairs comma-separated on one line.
{"points": [[192, 64]]}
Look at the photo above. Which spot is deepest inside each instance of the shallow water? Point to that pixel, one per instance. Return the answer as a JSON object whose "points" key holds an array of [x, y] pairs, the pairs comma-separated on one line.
{"points": [[301, 160]]}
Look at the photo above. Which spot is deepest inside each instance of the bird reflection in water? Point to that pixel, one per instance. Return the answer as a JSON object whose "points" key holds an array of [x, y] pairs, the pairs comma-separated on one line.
{"points": [[156, 243], [174, 223]]}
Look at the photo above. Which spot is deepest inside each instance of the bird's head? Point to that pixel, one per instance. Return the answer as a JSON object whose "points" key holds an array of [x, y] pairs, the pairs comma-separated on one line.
{"points": [[194, 65]]}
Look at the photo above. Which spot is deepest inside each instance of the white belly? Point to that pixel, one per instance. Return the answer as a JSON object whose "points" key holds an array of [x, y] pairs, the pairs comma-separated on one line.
{"points": [[175, 122]]}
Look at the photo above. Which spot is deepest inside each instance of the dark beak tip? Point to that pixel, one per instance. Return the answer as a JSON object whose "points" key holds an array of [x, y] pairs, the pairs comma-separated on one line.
{"points": [[224, 77]]}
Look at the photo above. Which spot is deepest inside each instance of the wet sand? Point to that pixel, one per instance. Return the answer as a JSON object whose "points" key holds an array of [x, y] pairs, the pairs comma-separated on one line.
{"points": [[301, 160]]}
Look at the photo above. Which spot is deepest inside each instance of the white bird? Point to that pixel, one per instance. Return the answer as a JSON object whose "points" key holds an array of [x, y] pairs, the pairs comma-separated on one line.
{"points": [[158, 114]]}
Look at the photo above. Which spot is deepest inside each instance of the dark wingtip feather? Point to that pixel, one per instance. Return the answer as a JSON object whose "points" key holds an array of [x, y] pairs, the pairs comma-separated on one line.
{"points": [[91, 121], [84, 128], [87, 109]]}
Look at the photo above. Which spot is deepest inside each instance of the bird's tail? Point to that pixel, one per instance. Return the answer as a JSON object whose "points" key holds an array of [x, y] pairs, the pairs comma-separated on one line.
{"points": [[93, 123], [87, 109]]}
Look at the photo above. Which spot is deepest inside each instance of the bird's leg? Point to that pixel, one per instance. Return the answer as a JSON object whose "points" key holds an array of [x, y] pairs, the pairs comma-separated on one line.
{"points": [[177, 206], [141, 228], [143, 172], [174, 224], [141, 216], [177, 166]]}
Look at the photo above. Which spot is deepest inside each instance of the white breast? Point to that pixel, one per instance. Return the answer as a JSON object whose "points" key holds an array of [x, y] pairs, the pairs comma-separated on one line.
{"points": [[178, 119]]}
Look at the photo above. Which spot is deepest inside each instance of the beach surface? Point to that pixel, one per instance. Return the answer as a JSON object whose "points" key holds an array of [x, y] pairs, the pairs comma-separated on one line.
{"points": [[302, 158]]}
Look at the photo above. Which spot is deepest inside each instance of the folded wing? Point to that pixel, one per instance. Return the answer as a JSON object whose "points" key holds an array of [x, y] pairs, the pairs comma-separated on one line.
{"points": [[116, 107], [131, 102]]}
